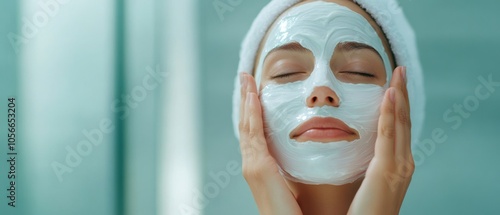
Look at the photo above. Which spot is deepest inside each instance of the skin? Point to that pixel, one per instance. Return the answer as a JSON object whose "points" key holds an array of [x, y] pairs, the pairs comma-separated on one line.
{"points": [[384, 186]]}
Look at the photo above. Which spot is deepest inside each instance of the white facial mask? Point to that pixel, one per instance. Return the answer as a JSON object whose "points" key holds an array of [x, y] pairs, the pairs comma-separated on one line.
{"points": [[320, 27]]}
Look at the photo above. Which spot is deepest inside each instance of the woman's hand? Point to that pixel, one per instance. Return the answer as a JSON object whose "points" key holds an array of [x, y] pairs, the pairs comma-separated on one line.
{"points": [[260, 169], [391, 169]]}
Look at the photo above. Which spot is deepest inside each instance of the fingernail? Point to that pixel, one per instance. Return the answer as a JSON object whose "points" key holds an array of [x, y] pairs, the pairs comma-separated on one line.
{"points": [[391, 94], [403, 73]]}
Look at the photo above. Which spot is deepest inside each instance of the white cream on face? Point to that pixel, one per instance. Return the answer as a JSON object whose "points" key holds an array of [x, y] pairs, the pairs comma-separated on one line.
{"points": [[320, 27]]}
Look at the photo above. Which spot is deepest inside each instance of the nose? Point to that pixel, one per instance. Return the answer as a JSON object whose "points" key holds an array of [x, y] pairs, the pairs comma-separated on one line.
{"points": [[323, 96]]}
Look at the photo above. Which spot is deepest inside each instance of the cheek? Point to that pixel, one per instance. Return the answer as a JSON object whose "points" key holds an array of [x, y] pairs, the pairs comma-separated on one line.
{"points": [[361, 109], [261, 86], [281, 104]]}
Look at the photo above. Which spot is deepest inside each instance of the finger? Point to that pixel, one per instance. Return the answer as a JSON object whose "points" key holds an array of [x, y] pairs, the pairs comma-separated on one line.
{"points": [[243, 95], [256, 128], [399, 81], [247, 152], [403, 85], [252, 88], [384, 146], [403, 126]]}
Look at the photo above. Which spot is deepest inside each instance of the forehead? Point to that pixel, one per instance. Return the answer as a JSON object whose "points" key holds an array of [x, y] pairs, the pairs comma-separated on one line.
{"points": [[320, 26], [346, 3]]}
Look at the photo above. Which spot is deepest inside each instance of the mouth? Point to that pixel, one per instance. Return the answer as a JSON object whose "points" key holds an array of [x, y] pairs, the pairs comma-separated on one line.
{"points": [[324, 130]]}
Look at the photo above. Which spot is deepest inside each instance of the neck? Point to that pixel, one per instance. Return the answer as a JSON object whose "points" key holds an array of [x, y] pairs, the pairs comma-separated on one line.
{"points": [[324, 199]]}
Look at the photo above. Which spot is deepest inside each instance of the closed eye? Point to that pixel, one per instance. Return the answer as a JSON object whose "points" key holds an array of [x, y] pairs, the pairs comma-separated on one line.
{"points": [[286, 75], [364, 74]]}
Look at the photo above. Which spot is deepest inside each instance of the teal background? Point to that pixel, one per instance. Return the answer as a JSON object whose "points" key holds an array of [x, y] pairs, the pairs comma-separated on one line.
{"points": [[96, 50], [458, 42]]}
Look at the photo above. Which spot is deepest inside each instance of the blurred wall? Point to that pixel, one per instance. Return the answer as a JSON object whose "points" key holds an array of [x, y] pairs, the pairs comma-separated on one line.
{"points": [[66, 87]]}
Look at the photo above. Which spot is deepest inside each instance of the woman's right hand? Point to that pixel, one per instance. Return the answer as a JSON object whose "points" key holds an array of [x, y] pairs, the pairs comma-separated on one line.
{"points": [[269, 189]]}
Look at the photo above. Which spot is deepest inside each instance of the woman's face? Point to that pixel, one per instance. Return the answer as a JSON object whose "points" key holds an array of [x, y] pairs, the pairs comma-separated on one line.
{"points": [[322, 73]]}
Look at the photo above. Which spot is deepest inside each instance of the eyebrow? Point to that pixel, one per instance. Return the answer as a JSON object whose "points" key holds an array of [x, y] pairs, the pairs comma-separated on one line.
{"points": [[352, 46], [295, 47], [344, 46]]}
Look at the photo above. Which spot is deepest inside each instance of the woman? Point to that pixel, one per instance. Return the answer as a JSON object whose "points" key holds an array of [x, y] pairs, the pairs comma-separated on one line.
{"points": [[325, 126]]}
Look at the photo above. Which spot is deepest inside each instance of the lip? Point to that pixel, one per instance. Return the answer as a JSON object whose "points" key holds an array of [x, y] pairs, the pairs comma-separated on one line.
{"points": [[324, 130]]}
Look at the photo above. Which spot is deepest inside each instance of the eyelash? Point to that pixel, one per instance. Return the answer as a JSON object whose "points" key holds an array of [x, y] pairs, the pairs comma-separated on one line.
{"points": [[286, 75], [360, 73]]}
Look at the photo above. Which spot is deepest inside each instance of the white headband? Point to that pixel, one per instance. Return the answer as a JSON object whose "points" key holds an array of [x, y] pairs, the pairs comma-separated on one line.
{"points": [[386, 13]]}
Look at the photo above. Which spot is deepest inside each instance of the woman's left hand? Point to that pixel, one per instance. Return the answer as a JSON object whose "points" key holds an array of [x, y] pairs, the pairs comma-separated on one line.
{"points": [[389, 173]]}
